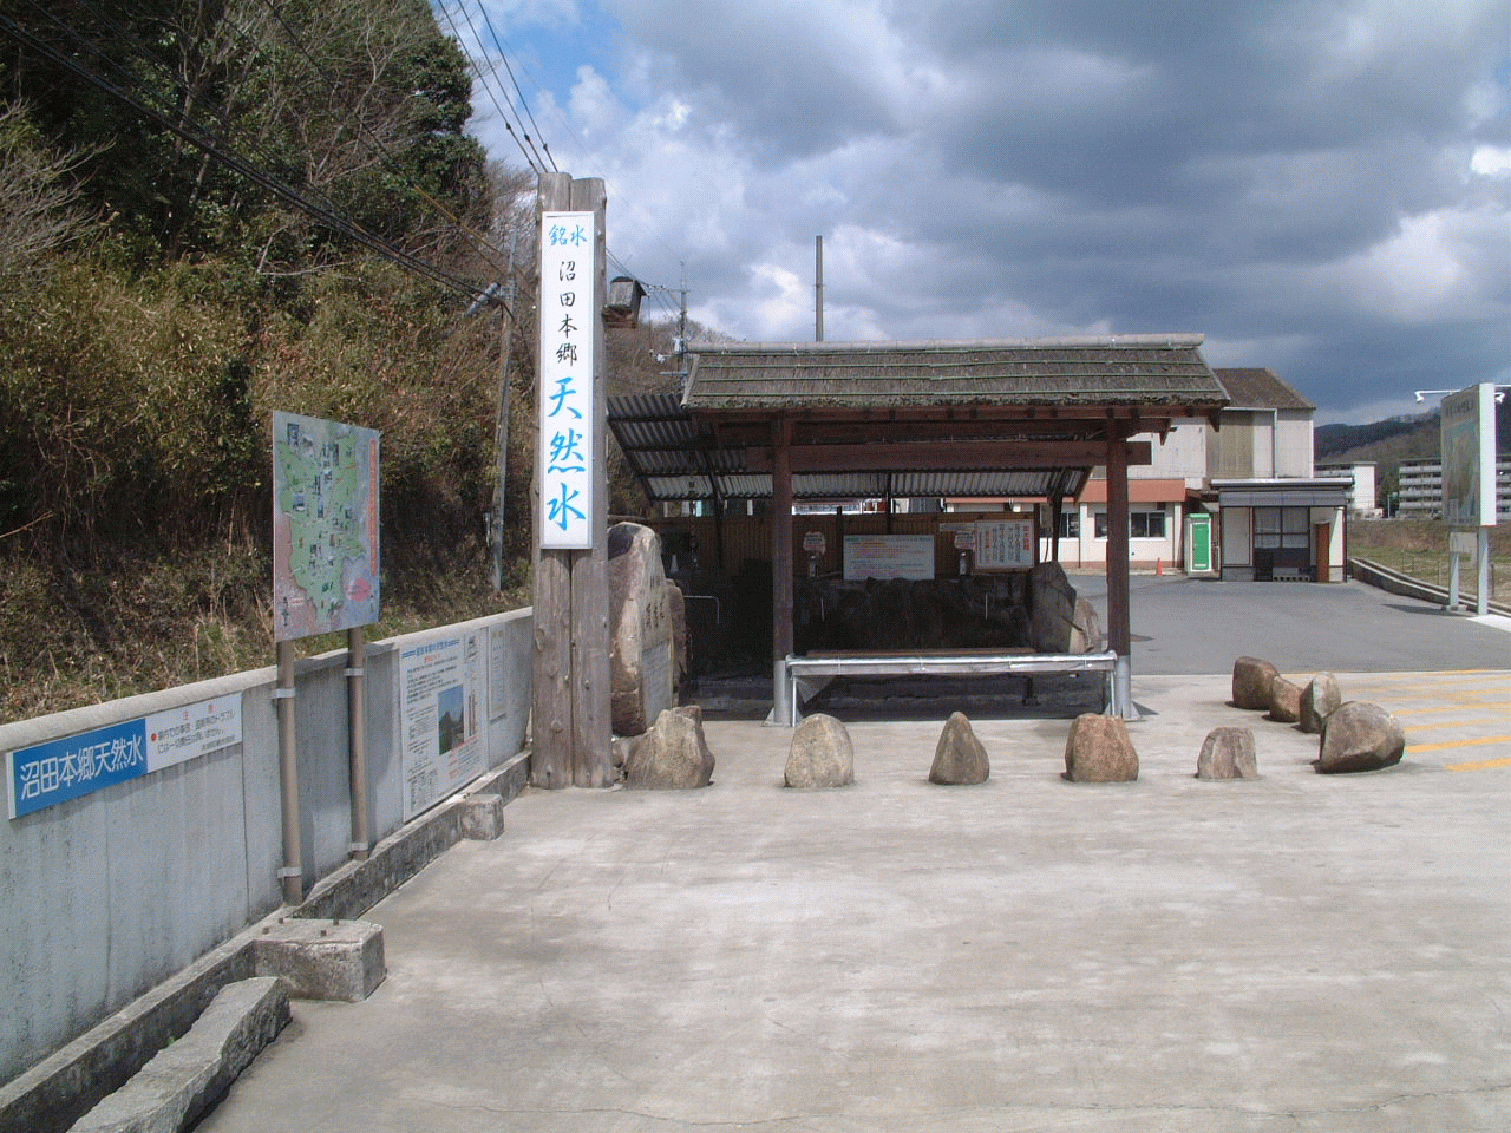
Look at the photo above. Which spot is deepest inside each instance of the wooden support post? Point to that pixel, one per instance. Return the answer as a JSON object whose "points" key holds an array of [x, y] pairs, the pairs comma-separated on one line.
{"points": [[356, 711], [592, 727], [551, 694], [781, 540], [1055, 503], [1119, 623]]}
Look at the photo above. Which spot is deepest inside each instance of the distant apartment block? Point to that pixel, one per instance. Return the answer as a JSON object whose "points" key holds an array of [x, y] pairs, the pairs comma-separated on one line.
{"points": [[1421, 490]]}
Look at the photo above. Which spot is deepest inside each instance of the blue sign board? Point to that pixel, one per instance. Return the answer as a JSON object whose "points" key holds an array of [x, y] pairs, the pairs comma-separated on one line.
{"points": [[59, 770], [55, 772]]}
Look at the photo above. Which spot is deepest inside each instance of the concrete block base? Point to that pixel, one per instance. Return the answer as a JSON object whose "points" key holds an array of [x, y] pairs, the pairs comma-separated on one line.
{"points": [[483, 816], [184, 1079], [319, 959]]}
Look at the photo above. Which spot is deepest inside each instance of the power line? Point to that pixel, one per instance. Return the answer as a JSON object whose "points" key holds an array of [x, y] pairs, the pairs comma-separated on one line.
{"points": [[504, 55], [482, 76]]}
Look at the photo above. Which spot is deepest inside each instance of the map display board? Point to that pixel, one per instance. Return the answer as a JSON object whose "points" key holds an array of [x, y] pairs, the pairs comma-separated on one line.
{"points": [[441, 686], [325, 526]]}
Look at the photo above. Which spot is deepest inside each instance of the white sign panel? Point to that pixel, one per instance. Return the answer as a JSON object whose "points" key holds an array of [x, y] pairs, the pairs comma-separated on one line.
{"points": [[568, 402], [1468, 439], [889, 556], [440, 700], [192, 731], [1005, 545]]}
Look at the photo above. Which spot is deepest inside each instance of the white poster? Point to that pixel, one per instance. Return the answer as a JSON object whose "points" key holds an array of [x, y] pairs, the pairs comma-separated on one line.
{"points": [[1005, 545], [889, 556], [440, 717], [567, 396]]}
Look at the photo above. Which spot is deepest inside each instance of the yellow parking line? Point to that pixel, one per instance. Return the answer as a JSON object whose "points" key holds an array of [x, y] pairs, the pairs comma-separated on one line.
{"points": [[1481, 766], [1453, 705], [1476, 742], [1455, 724]]}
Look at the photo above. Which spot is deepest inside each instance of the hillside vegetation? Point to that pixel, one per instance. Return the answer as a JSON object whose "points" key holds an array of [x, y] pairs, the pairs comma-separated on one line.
{"points": [[159, 301]]}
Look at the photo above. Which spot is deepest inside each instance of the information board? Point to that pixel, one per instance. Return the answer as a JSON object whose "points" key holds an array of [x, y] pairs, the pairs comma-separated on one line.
{"points": [[889, 556], [568, 402], [441, 686], [325, 526], [42, 776], [1468, 451], [1004, 544]]}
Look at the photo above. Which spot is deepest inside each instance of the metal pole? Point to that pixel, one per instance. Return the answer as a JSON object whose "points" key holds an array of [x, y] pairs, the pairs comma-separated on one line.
{"points": [[291, 875], [818, 289], [1482, 607], [356, 709]]}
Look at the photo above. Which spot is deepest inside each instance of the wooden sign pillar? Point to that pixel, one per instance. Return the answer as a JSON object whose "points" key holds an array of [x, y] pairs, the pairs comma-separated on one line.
{"points": [[1119, 613], [571, 728]]}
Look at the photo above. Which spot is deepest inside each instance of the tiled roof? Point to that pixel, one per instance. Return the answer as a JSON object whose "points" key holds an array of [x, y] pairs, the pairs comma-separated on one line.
{"points": [[1258, 387]]}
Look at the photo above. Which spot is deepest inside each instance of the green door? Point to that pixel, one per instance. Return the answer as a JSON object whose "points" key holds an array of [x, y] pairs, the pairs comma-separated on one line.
{"points": [[1198, 542]]}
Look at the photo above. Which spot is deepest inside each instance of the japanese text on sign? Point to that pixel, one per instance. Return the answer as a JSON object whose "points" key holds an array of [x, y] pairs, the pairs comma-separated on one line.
{"points": [[568, 425], [1005, 545], [38, 777]]}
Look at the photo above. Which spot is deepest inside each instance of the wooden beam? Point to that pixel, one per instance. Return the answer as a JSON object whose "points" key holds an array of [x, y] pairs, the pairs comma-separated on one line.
{"points": [[1119, 624], [551, 691], [592, 726], [927, 457], [781, 540]]}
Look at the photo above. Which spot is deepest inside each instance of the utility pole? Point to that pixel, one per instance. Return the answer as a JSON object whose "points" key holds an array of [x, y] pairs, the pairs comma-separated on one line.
{"points": [[818, 289], [501, 428]]}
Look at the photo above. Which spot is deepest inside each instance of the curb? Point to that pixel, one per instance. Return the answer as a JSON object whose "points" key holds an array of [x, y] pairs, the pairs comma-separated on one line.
{"points": [[1394, 582], [56, 1092]]}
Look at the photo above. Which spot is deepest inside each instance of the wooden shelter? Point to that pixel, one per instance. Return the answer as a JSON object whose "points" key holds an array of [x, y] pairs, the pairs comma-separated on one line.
{"points": [[1024, 417]]}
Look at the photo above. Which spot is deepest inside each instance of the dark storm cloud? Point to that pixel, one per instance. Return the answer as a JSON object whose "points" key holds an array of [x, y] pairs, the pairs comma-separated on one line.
{"points": [[1322, 186]]}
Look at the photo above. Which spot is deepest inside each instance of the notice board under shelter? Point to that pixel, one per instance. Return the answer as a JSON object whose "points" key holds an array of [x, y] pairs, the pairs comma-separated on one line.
{"points": [[1026, 418]]}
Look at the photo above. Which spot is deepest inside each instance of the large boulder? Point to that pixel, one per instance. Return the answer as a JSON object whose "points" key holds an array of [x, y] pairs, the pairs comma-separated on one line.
{"points": [[959, 758], [642, 627], [1227, 753], [1251, 682], [1099, 750], [821, 754], [673, 755], [1052, 627], [1086, 634], [1359, 736], [1285, 700], [1319, 700]]}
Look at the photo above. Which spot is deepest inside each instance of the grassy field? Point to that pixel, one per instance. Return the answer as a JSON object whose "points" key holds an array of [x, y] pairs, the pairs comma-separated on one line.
{"points": [[1419, 548]]}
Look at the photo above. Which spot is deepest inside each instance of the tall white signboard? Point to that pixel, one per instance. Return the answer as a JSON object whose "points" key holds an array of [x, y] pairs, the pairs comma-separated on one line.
{"points": [[1468, 422], [569, 306]]}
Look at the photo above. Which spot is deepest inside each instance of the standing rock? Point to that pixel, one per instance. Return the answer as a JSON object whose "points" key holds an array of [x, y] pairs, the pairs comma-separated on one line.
{"points": [[1359, 736], [1087, 636], [673, 755], [1285, 700], [1099, 750], [1251, 682], [1319, 700], [1228, 753], [959, 758], [642, 652], [821, 754]]}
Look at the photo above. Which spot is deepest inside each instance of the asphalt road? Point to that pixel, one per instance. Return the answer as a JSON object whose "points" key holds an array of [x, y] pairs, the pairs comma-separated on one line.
{"points": [[1186, 626]]}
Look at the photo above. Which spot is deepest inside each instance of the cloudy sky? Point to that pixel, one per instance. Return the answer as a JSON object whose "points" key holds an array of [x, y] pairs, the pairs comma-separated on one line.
{"points": [[1318, 186]]}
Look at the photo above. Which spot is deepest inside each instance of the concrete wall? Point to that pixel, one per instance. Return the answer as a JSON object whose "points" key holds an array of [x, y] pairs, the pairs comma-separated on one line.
{"points": [[109, 894]]}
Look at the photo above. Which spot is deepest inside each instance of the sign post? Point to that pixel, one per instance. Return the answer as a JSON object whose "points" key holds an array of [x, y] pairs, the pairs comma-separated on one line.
{"points": [[325, 579], [571, 722], [1468, 455]]}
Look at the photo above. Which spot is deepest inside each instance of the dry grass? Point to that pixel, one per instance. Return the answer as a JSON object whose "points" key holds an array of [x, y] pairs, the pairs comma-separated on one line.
{"points": [[1419, 548], [72, 637]]}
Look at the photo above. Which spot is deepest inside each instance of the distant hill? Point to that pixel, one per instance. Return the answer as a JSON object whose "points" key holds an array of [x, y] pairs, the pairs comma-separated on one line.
{"points": [[1393, 440]]}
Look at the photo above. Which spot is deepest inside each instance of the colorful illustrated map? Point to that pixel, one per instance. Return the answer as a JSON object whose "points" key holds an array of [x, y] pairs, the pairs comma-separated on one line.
{"points": [[325, 526]]}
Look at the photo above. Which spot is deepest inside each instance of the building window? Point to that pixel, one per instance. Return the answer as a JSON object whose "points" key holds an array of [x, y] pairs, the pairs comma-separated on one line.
{"points": [[1143, 524], [1070, 524], [1147, 524], [1281, 528]]}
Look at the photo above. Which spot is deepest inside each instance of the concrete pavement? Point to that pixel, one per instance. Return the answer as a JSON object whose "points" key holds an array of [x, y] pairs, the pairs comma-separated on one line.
{"points": [[1300, 952]]}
